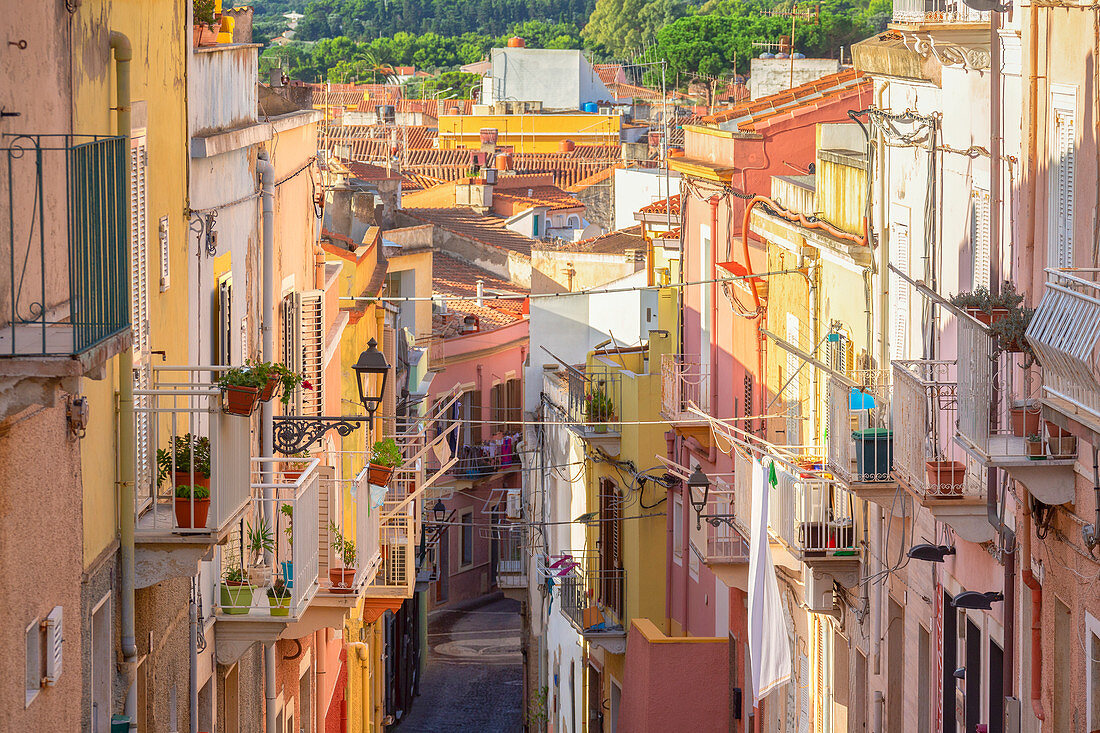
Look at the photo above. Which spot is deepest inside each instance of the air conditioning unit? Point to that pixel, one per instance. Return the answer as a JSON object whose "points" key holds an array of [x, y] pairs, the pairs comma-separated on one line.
{"points": [[514, 506], [819, 592]]}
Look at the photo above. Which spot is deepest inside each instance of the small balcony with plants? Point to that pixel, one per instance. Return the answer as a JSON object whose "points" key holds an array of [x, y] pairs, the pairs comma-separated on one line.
{"points": [[511, 564], [859, 440], [999, 390], [685, 385], [594, 600], [64, 286], [594, 398], [929, 462]]}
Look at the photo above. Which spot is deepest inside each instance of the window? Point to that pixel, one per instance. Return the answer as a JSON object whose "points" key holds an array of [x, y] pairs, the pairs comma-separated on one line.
{"points": [[1092, 671], [979, 237], [304, 348], [900, 291], [793, 378], [1063, 172], [536, 227], [467, 522], [609, 590], [497, 408], [471, 405], [101, 663], [33, 662], [514, 397], [304, 716], [677, 528]]}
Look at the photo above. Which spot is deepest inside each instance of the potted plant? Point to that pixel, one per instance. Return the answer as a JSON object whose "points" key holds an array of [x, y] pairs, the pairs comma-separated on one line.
{"points": [[202, 32], [1025, 418], [292, 470], [190, 497], [236, 592], [1034, 447], [187, 452], [277, 377], [1009, 332], [1062, 444], [241, 389], [288, 565], [384, 458], [945, 478], [278, 598], [989, 308], [342, 578], [259, 540], [598, 408]]}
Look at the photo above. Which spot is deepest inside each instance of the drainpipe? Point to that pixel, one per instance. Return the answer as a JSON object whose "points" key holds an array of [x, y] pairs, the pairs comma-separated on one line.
{"points": [[480, 292], [1032, 200], [877, 712], [193, 652], [120, 48], [1036, 611], [713, 275], [267, 183], [319, 642], [876, 617]]}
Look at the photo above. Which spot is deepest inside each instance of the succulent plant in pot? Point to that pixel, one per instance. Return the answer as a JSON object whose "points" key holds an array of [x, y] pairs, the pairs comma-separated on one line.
{"points": [[278, 598], [342, 578], [1034, 447], [236, 592], [192, 506], [385, 457], [260, 540], [1009, 333]]}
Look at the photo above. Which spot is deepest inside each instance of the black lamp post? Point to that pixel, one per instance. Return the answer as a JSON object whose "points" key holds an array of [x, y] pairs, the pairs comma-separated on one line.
{"points": [[294, 433], [699, 494]]}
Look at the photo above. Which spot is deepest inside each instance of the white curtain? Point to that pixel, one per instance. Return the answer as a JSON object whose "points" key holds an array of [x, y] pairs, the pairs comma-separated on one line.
{"points": [[769, 646]]}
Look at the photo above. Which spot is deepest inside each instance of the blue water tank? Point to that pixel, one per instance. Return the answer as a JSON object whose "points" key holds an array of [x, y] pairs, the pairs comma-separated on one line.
{"points": [[590, 107]]}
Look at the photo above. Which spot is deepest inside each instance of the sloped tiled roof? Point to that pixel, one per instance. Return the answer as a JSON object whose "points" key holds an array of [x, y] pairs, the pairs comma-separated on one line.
{"points": [[608, 73], [751, 115], [551, 197], [592, 180], [454, 277], [369, 171], [418, 181], [661, 206], [483, 228], [614, 242]]}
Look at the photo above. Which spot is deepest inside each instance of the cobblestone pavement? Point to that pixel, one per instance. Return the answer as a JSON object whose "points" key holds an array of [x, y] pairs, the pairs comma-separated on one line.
{"points": [[474, 677]]}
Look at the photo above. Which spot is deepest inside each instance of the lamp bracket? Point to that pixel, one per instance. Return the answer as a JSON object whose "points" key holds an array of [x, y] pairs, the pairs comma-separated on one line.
{"points": [[716, 520], [294, 433]]}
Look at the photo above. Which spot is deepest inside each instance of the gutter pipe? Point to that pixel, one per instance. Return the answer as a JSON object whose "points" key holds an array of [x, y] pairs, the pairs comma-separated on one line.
{"points": [[267, 184], [123, 54], [1036, 613]]}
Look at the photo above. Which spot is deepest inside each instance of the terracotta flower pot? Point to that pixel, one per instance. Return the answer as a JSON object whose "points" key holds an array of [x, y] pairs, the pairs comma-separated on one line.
{"points": [[236, 598], [987, 318], [1025, 421], [380, 475], [183, 513], [183, 478], [945, 478], [342, 580], [239, 400], [268, 390], [1034, 449], [1055, 431], [1063, 446]]}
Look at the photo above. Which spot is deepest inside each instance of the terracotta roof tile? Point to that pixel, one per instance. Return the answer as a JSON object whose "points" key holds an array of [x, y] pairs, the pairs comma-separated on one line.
{"points": [[454, 277], [483, 228], [748, 115], [660, 207], [550, 196], [614, 242]]}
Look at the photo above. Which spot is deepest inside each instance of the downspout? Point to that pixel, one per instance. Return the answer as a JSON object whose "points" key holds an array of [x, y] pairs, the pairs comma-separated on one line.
{"points": [[193, 654], [714, 201], [322, 671], [1036, 611], [1032, 199], [120, 48], [267, 184]]}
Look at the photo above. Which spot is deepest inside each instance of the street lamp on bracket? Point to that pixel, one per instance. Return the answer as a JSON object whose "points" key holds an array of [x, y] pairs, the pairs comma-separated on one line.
{"points": [[698, 485], [294, 433]]}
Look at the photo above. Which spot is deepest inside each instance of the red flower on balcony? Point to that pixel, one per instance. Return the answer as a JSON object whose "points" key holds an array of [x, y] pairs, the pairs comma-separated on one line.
{"points": [[307, 384]]}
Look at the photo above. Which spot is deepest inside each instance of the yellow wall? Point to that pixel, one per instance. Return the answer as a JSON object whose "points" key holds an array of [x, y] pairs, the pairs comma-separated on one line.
{"points": [[160, 40], [421, 265], [529, 133]]}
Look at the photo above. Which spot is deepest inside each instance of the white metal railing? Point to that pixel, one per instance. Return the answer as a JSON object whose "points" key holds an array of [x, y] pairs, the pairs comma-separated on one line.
{"points": [[724, 543], [742, 490], [685, 381], [858, 420], [1065, 334], [927, 459], [367, 530], [812, 516], [511, 558], [273, 489], [179, 428], [937, 11]]}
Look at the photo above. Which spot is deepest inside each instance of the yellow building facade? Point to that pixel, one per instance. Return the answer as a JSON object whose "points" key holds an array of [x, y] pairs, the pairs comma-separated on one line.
{"points": [[528, 133]]}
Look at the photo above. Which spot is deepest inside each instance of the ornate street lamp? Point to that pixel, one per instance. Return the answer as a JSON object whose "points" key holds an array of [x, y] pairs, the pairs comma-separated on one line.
{"points": [[294, 433], [439, 511], [699, 494]]}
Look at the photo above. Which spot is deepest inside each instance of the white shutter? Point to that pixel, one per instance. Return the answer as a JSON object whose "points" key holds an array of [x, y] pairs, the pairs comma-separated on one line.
{"points": [[804, 693], [327, 511], [979, 237], [139, 249], [1063, 153], [312, 318], [165, 272], [292, 345], [54, 642], [794, 379], [900, 291]]}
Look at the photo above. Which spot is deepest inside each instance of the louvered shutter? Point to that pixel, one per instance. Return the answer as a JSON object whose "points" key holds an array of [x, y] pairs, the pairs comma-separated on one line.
{"points": [[794, 378], [292, 346], [475, 415], [1062, 205], [900, 295], [326, 512], [803, 694], [225, 321], [389, 395], [139, 313], [312, 328], [979, 236], [496, 408], [165, 254], [515, 403], [54, 642]]}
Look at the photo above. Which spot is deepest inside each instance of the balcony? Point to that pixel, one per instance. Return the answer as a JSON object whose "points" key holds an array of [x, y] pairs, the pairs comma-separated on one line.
{"points": [[578, 395], [928, 462], [64, 298], [481, 461], [222, 99], [999, 417], [511, 562], [594, 602], [179, 416], [859, 440], [248, 614], [814, 519], [726, 550], [937, 12], [685, 383]]}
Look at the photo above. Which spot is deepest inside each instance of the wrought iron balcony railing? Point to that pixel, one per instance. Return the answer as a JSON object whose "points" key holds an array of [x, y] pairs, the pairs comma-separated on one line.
{"points": [[64, 285], [859, 442], [937, 11], [725, 544], [812, 516], [684, 382], [594, 601]]}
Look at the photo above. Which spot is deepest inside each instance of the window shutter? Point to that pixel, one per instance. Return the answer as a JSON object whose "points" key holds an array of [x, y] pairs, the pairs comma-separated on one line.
{"points": [[292, 345], [139, 249], [143, 449], [804, 693], [515, 399], [979, 236], [326, 511], [475, 416], [312, 321], [389, 396], [496, 408], [54, 642], [900, 295], [1062, 206], [224, 353]]}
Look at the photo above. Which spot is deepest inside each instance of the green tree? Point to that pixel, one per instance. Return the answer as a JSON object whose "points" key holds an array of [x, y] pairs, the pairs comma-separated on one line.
{"points": [[627, 26]]}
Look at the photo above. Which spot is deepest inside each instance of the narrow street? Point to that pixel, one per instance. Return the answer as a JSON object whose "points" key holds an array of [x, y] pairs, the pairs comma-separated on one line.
{"points": [[474, 676]]}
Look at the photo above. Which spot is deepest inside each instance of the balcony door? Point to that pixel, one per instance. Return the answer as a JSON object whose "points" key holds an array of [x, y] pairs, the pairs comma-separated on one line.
{"points": [[609, 586]]}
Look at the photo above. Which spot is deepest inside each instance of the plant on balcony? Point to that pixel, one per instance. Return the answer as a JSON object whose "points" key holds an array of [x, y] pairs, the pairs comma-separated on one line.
{"points": [[278, 598], [385, 456], [241, 389], [342, 578], [288, 565], [1034, 447], [292, 470], [203, 33], [1009, 331], [178, 459], [188, 497], [598, 408], [260, 540], [986, 307], [236, 592], [277, 377], [945, 478]]}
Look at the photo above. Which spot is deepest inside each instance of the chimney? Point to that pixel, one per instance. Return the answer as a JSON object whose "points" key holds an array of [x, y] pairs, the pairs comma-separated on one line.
{"points": [[480, 292]]}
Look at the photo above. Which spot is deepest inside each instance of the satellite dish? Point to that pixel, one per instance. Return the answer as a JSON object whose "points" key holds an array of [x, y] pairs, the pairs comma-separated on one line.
{"points": [[986, 6]]}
